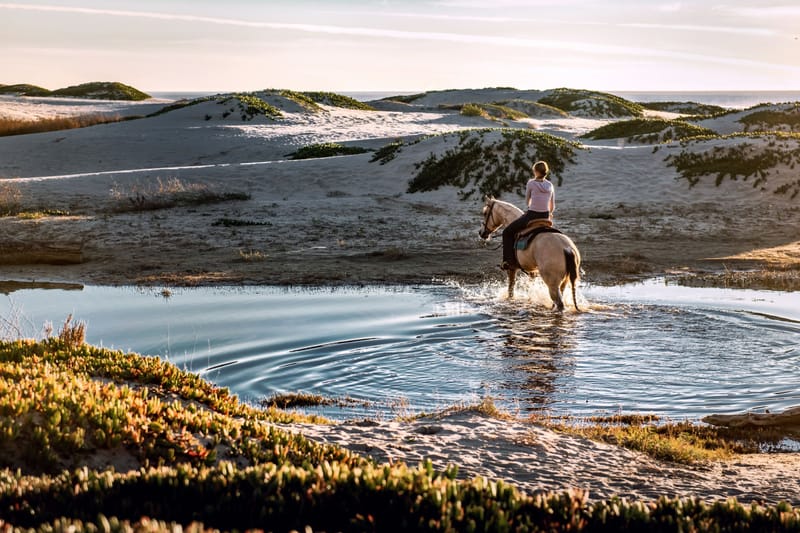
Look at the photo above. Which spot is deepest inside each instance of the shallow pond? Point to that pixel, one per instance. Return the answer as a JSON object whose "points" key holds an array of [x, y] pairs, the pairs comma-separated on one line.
{"points": [[650, 348]]}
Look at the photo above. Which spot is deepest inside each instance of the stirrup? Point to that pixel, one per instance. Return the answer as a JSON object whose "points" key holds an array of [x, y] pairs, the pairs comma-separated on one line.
{"points": [[506, 265]]}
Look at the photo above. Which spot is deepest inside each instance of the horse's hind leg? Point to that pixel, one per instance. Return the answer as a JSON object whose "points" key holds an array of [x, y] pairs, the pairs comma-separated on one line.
{"points": [[555, 287], [512, 278]]}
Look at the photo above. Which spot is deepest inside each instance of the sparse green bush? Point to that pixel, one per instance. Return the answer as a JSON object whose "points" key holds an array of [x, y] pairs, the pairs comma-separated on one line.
{"points": [[473, 110], [685, 108], [24, 89], [770, 119], [105, 90], [648, 130], [479, 166], [745, 160], [337, 100], [387, 152], [326, 150], [252, 106], [238, 222], [493, 111], [405, 98], [592, 103]]}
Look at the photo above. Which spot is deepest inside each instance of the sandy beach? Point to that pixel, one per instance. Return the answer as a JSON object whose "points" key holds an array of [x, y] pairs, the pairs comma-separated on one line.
{"points": [[265, 218], [346, 219], [537, 460]]}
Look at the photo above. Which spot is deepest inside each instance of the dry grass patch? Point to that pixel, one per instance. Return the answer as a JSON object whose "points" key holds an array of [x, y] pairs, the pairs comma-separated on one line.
{"points": [[166, 193], [10, 199], [678, 442], [11, 126]]}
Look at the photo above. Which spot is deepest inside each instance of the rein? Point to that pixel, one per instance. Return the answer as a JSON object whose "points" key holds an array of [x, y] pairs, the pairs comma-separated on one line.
{"points": [[486, 226], [486, 222]]}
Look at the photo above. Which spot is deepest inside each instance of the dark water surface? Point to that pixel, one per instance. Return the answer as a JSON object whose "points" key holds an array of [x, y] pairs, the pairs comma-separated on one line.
{"points": [[655, 348]]}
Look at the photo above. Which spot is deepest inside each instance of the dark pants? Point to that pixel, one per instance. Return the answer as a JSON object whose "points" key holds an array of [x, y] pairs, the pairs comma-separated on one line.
{"points": [[510, 233]]}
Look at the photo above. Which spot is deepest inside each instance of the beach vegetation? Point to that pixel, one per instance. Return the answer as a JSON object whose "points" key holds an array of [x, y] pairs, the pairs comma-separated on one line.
{"points": [[756, 157], [533, 109], [24, 89], [301, 99], [238, 222], [251, 106], [684, 108], [777, 278], [104, 90], [42, 213], [677, 442], [473, 110], [591, 103], [387, 152], [488, 111], [12, 126], [180, 104], [648, 130], [405, 98], [491, 161], [252, 256], [95, 439], [167, 193], [773, 119], [328, 149], [10, 198], [337, 100]]}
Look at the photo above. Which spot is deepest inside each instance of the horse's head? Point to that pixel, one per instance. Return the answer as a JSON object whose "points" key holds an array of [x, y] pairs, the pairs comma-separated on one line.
{"points": [[491, 222]]}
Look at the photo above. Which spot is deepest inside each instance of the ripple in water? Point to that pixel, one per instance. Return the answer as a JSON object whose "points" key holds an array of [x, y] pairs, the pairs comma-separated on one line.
{"points": [[674, 351]]}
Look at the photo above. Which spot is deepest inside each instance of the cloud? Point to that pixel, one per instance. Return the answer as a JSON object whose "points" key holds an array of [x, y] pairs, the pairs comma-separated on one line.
{"points": [[674, 7], [763, 12], [458, 38], [691, 27]]}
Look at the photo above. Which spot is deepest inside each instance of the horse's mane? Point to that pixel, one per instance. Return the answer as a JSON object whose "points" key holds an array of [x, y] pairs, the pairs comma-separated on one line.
{"points": [[502, 202]]}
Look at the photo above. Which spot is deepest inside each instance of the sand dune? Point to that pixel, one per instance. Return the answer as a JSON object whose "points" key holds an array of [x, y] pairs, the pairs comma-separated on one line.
{"points": [[624, 206]]}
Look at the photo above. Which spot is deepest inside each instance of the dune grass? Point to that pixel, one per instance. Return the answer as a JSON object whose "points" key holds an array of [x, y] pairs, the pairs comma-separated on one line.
{"points": [[771, 119], [491, 161], [329, 149], [167, 193], [11, 126], [105, 90], [648, 130], [757, 156], [591, 103], [685, 108], [192, 452], [488, 111], [24, 89], [337, 100]]}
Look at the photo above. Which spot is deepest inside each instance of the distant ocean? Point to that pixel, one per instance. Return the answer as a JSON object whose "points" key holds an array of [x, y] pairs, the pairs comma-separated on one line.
{"points": [[732, 99]]}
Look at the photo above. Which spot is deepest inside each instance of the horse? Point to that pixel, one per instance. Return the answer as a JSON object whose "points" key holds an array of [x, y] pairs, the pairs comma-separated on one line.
{"points": [[554, 254]]}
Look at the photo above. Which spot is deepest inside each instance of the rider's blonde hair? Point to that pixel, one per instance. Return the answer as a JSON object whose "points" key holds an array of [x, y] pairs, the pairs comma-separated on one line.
{"points": [[542, 168]]}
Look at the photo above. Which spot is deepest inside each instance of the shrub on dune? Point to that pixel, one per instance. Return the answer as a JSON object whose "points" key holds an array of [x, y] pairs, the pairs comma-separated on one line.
{"points": [[648, 130]]}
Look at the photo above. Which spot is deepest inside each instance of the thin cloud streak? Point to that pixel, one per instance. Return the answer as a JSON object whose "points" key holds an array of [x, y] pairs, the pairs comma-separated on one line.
{"points": [[763, 32], [501, 41]]}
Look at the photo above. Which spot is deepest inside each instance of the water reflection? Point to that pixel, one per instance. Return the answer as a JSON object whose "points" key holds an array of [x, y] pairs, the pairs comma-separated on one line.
{"points": [[676, 353], [539, 346]]}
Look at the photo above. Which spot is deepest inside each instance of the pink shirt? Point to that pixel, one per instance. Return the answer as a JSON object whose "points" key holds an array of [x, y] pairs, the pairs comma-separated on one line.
{"points": [[541, 196]]}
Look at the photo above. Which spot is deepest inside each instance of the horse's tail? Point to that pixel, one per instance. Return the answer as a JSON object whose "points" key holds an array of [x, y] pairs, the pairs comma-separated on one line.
{"points": [[572, 270]]}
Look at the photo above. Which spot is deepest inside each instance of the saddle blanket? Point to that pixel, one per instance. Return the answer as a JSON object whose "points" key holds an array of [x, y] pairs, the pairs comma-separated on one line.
{"points": [[527, 235]]}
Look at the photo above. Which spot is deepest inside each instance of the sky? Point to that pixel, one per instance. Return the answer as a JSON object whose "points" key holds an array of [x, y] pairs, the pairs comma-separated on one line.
{"points": [[410, 45]]}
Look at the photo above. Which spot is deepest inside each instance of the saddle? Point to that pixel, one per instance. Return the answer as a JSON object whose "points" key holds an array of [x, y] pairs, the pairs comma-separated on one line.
{"points": [[535, 227]]}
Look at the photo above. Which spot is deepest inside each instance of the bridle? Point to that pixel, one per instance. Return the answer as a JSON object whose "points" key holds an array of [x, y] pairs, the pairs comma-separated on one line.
{"points": [[486, 218]]}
